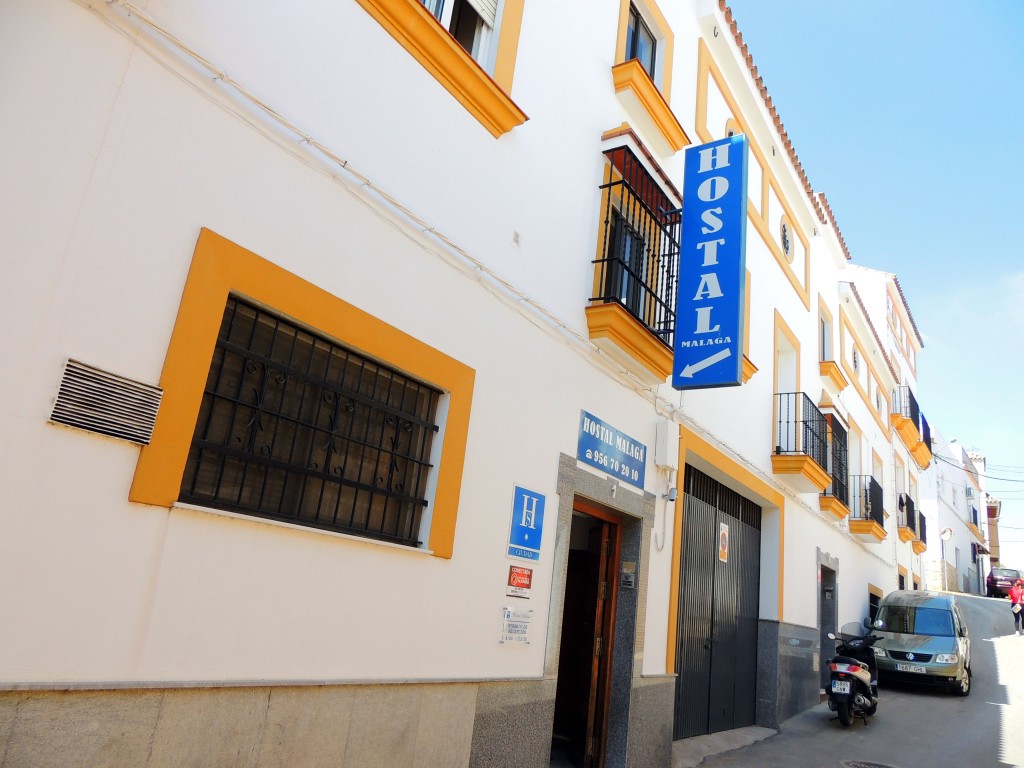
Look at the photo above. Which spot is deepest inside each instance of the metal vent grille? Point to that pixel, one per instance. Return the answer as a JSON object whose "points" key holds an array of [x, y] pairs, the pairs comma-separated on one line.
{"points": [[102, 402]]}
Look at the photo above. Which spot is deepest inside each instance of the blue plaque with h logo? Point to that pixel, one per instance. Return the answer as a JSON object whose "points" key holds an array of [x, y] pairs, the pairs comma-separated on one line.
{"points": [[527, 524]]}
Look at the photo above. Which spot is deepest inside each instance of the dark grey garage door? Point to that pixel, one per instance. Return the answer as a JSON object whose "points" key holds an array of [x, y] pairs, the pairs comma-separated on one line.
{"points": [[716, 659]]}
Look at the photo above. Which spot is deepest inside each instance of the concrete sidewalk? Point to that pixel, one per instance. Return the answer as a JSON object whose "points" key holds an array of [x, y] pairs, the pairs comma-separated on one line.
{"points": [[689, 753]]}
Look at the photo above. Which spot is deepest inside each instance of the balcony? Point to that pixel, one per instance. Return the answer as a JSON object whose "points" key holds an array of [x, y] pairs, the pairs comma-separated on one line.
{"points": [[867, 509], [632, 310], [906, 416], [836, 498], [920, 544], [922, 452], [801, 443], [832, 377], [974, 526], [645, 104], [906, 526], [911, 425]]}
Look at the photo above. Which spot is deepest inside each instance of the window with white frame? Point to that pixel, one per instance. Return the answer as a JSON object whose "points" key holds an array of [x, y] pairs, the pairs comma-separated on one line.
{"points": [[471, 23]]}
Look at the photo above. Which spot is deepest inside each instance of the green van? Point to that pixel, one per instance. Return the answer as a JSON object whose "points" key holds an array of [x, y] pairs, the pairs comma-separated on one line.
{"points": [[924, 640]]}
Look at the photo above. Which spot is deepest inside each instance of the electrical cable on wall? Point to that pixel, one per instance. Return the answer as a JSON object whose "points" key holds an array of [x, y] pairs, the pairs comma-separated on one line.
{"points": [[312, 153]]}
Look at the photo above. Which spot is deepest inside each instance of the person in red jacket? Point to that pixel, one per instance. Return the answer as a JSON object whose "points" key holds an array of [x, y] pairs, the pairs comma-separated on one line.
{"points": [[1017, 605]]}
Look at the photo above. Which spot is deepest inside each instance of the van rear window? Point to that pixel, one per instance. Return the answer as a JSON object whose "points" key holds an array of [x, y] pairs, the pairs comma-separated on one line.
{"points": [[909, 620]]}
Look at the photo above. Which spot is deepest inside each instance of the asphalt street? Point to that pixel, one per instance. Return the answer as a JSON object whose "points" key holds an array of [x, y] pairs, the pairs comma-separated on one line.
{"points": [[917, 726]]}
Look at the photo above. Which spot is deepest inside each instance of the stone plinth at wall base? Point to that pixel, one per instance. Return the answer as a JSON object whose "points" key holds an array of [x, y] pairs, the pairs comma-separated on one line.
{"points": [[364, 725]]}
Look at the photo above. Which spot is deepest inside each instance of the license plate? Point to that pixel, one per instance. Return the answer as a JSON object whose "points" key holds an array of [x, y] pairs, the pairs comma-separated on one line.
{"points": [[840, 686], [910, 668]]}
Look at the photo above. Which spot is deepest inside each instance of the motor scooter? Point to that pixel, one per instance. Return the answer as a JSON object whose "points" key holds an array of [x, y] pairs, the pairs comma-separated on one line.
{"points": [[853, 676]]}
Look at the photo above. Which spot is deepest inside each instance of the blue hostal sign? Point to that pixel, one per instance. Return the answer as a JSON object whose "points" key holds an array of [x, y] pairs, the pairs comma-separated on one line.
{"points": [[618, 454], [712, 266], [527, 524]]}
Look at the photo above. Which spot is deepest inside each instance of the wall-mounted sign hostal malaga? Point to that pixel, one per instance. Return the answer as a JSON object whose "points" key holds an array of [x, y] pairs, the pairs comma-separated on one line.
{"points": [[712, 266]]}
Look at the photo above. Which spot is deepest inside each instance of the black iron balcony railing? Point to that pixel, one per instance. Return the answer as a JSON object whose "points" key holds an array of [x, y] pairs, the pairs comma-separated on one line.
{"points": [[866, 499], [905, 404], [974, 516], [922, 534], [926, 432], [838, 469], [639, 245], [801, 428], [907, 517]]}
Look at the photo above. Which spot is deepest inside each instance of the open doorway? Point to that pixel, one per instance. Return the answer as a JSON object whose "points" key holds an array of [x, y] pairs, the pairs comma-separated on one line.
{"points": [[585, 652]]}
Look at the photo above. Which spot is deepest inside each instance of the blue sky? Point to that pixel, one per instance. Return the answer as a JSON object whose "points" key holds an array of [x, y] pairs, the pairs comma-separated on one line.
{"points": [[908, 117]]}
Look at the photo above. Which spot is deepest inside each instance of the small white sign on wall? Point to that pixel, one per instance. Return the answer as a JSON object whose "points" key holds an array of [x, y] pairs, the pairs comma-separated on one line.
{"points": [[515, 626]]}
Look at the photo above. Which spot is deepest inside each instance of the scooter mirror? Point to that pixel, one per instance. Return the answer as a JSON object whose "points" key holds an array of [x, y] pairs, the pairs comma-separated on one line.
{"points": [[879, 624], [831, 636]]}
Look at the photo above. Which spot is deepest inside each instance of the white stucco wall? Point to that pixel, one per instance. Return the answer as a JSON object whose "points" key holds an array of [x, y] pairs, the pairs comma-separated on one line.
{"points": [[117, 150]]}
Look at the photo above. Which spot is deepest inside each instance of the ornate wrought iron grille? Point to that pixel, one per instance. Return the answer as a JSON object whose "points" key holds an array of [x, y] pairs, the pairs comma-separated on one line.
{"points": [[639, 247], [295, 428]]}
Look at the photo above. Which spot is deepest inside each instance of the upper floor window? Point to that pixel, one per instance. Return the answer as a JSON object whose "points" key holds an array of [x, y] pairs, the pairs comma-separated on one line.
{"points": [[297, 428], [464, 47], [469, 21], [824, 337], [640, 41]]}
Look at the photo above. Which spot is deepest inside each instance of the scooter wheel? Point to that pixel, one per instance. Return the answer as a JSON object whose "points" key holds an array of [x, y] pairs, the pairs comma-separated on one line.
{"points": [[843, 710]]}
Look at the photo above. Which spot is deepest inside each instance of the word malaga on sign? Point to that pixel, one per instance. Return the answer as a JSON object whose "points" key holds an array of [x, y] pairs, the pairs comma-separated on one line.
{"points": [[712, 266]]}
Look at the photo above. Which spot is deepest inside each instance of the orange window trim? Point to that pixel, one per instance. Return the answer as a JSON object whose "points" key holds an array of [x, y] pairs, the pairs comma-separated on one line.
{"points": [[484, 97], [220, 268]]}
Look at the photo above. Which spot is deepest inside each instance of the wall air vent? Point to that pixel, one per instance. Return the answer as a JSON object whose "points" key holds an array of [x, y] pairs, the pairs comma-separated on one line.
{"points": [[98, 401]]}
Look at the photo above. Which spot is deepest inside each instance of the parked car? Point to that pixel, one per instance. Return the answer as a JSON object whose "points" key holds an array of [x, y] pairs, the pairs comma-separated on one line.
{"points": [[1000, 580], [924, 641]]}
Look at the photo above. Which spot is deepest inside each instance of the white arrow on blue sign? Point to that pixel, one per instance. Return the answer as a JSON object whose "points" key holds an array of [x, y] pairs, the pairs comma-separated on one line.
{"points": [[708, 343]]}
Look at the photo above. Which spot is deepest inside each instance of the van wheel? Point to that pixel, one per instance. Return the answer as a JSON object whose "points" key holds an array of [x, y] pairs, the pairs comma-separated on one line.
{"points": [[962, 687], [843, 710]]}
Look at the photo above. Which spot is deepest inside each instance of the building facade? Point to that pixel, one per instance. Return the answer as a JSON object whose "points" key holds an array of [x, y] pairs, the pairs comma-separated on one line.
{"points": [[352, 381], [955, 500]]}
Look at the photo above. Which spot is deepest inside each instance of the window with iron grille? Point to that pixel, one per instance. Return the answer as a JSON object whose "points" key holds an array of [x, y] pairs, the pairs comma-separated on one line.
{"points": [[297, 428], [638, 244]]}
